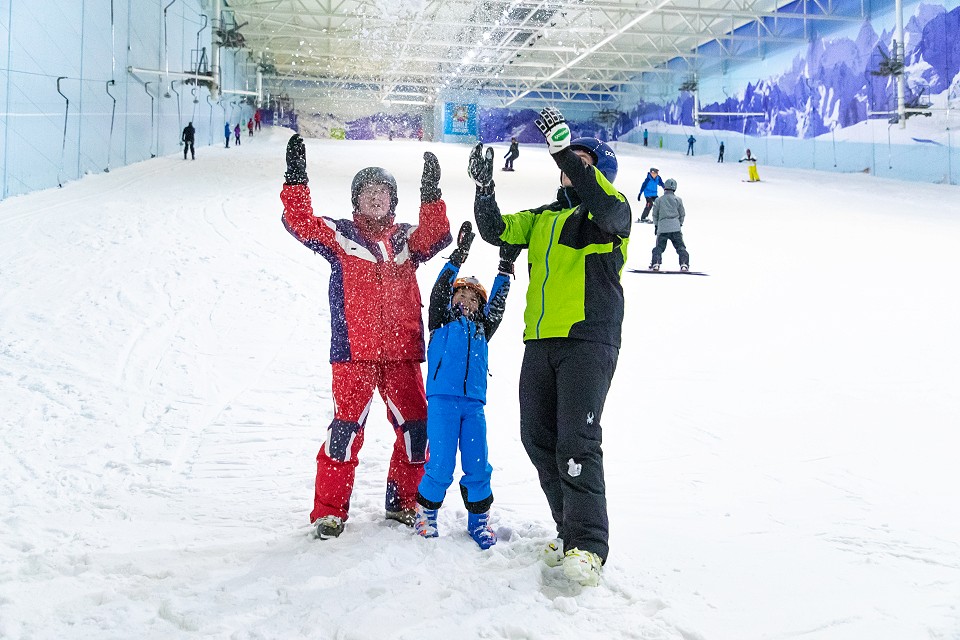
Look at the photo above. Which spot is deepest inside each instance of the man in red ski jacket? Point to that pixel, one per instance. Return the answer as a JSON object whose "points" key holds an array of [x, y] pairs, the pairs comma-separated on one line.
{"points": [[377, 339]]}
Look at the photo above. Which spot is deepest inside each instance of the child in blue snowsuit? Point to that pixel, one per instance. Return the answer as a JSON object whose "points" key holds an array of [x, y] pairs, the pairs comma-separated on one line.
{"points": [[649, 191], [462, 319]]}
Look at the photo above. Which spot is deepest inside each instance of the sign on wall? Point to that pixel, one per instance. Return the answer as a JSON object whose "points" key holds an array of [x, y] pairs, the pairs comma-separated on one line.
{"points": [[460, 119]]}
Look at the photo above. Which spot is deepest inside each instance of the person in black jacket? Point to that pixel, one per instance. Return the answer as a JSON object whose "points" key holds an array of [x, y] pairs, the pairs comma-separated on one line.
{"points": [[512, 154], [576, 250], [187, 138]]}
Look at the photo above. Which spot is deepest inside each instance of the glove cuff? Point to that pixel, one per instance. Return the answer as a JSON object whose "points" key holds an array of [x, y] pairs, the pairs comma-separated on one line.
{"points": [[430, 194], [506, 267], [486, 190], [295, 177]]}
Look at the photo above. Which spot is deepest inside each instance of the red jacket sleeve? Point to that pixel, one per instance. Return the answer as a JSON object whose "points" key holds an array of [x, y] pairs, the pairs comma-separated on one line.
{"points": [[299, 220], [433, 232]]}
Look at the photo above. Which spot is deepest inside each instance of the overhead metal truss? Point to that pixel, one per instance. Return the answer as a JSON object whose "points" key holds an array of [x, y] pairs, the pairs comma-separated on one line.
{"points": [[509, 51]]}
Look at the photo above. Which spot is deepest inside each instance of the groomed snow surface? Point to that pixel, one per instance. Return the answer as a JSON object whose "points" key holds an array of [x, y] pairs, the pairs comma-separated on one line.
{"points": [[781, 437]]}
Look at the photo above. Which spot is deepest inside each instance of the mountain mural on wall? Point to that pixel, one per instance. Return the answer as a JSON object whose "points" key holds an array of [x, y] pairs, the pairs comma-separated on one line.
{"points": [[831, 85]]}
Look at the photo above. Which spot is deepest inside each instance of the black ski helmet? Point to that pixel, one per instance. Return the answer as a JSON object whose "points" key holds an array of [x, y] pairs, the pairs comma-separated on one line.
{"points": [[373, 175]]}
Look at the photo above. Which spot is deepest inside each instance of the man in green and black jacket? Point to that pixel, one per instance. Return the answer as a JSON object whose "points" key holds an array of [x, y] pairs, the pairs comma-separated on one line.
{"points": [[577, 248]]}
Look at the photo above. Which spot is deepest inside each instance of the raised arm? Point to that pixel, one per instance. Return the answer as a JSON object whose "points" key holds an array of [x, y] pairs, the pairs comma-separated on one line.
{"points": [[440, 312], [298, 216], [608, 207], [495, 228], [433, 232], [493, 312]]}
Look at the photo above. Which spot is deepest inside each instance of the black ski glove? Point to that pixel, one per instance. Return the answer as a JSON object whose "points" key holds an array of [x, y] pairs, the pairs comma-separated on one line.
{"points": [[480, 169], [296, 161], [508, 254], [464, 239], [430, 181]]}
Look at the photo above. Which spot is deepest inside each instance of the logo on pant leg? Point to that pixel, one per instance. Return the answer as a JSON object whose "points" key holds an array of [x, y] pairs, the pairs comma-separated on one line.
{"points": [[573, 468], [590, 418]]}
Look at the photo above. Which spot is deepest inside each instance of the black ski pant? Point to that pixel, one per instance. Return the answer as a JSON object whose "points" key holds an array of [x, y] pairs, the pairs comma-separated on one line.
{"points": [[720, 157], [646, 209], [676, 237], [563, 387], [188, 146]]}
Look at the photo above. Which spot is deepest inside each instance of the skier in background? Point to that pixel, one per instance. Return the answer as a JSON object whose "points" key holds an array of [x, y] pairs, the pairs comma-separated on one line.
{"points": [[512, 154], [720, 157], [645, 137], [226, 134], [189, 132], [577, 247], [751, 161], [648, 190], [250, 127], [668, 215], [690, 142], [236, 133], [377, 328], [256, 120], [462, 320]]}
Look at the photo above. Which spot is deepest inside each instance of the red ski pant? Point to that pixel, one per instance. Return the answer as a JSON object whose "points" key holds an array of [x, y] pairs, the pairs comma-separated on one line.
{"points": [[401, 387]]}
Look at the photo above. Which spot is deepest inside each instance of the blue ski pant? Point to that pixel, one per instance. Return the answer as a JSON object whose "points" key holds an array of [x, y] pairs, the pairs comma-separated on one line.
{"points": [[456, 422]]}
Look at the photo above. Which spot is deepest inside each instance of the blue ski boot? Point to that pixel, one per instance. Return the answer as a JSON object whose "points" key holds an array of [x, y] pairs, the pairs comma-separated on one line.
{"points": [[425, 524], [480, 531]]}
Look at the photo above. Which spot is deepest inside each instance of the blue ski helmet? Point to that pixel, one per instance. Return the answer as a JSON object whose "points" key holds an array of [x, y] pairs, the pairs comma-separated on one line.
{"points": [[373, 175], [603, 156]]}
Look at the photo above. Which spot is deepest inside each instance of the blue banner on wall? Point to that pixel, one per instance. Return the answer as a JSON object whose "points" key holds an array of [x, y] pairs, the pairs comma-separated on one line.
{"points": [[460, 119]]}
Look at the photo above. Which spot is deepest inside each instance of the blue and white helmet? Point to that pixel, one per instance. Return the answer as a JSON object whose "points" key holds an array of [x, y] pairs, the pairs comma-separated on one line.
{"points": [[603, 156]]}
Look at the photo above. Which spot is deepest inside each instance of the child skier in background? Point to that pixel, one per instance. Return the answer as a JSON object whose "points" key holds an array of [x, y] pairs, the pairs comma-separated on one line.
{"points": [[462, 319], [751, 161], [668, 217], [649, 191]]}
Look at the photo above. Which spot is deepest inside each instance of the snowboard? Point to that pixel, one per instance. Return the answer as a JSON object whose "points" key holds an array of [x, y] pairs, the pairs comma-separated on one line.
{"points": [[686, 273]]}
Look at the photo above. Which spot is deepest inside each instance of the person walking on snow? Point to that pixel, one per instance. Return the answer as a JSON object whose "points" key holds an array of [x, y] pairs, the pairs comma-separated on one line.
{"points": [[751, 161], [462, 320], [720, 157], [668, 215], [377, 330], [226, 134], [189, 133], [236, 133], [648, 190], [577, 248], [690, 142], [512, 154]]}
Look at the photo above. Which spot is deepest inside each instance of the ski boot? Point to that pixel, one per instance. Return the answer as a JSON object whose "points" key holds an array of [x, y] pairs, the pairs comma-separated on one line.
{"points": [[328, 527], [553, 553], [480, 531], [404, 516], [426, 522], [582, 566]]}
